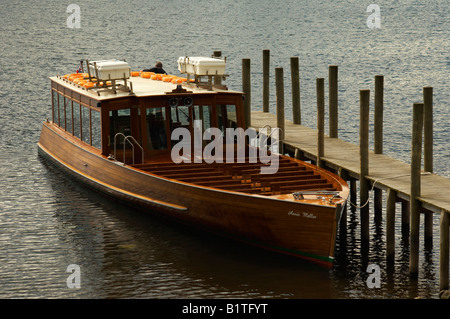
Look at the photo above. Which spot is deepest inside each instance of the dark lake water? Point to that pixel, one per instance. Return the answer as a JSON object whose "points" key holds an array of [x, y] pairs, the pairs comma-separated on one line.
{"points": [[48, 222]]}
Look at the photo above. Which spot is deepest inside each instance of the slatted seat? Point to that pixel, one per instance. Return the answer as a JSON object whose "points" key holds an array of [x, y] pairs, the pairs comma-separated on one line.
{"points": [[299, 171], [288, 179], [198, 174], [181, 170], [242, 186], [275, 186], [243, 177], [219, 183], [161, 166], [291, 189], [247, 174], [199, 179]]}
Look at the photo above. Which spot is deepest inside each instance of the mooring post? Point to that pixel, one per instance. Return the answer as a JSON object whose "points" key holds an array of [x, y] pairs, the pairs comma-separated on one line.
{"points": [[343, 222], [416, 157], [320, 89], [428, 229], [295, 79], [333, 100], [390, 225], [217, 79], [405, 217], [364, 162], [353, 191], [280, 103], [444, 251], [428, 129], [428, 152], [246, 89], [266, 80], [378, 137], [378, 114]]}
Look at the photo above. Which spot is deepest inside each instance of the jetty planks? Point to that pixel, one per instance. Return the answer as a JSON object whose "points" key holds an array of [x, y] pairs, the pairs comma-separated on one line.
{"points": [[386, 172]]}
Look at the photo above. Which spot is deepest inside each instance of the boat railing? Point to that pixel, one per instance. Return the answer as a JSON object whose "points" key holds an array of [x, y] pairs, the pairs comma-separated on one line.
{"points": [[132, 142]]}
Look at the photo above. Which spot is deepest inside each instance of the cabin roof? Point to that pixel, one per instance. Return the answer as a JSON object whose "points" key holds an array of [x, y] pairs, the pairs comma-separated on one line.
{"points": [[141, 87]]}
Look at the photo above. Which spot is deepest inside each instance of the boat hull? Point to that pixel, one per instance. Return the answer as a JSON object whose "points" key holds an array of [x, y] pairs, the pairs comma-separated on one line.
{"points": [[295, 228]]}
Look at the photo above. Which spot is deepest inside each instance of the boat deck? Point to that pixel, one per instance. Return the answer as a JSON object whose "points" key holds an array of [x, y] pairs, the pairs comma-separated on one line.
{"points": [[291, 176]]}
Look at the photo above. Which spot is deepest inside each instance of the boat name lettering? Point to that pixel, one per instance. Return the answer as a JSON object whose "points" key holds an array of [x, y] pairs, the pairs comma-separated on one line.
{"points": [[303, 214]]}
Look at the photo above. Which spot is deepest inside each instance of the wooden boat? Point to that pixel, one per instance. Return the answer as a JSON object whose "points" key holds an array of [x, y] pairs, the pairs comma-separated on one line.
{"points": [[114, 132]]}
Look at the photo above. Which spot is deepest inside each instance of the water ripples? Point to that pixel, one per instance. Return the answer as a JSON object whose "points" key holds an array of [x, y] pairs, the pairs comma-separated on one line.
{"points": [[48, 221]]}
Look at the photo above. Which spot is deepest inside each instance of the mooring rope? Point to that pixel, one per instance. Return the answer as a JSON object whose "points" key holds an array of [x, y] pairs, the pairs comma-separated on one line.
{"points": [[373, 186]]}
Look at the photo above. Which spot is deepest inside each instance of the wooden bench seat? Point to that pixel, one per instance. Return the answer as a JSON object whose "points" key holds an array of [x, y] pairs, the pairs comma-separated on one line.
{"points": [[186, 175], [288, 179], [310, 187], [277, 185], [183, 171], [197, 179]]}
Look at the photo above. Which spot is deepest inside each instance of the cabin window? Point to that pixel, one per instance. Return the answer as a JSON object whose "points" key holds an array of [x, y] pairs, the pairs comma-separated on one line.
{"points": [[120, 125], [179, 117], [60, 109], [85, 124], [156, 128], [67, 107], [55, 108], [79, 120], [226, 117], [203, 113], [76, 119], [96, 130]]}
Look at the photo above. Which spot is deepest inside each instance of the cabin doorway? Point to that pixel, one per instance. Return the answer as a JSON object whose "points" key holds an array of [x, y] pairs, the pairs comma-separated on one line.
{"points": [[125, 136]]}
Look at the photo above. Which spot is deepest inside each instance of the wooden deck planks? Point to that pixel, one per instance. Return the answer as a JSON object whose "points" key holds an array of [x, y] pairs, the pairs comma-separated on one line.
{"points": [[388, 173]]}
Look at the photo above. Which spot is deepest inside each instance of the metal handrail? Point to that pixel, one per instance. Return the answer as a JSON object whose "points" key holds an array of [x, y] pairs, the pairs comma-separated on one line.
{"points": [[132, 146], [125, 139]]}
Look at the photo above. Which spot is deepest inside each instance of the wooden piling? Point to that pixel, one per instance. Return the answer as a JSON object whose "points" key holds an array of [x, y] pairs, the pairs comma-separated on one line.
{"points": [[444, 251], [390, 225], [246, 89], [266, 80], [378, 114], [428, 153], [333, 100], [353, 191], [428, 129], [295, 79], [415, 206], [364, 162], [405, 217], [320, 89], [343, 221], [378, 138], [218, 78], [428, 229], [280, 101]]}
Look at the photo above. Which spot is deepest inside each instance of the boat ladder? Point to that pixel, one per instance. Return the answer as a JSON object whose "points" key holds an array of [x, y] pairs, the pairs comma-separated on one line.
{"points": [[132, 142]]}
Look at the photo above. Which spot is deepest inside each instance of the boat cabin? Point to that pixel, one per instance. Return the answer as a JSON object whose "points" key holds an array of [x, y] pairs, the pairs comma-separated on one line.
{"points": [[131, 115]]}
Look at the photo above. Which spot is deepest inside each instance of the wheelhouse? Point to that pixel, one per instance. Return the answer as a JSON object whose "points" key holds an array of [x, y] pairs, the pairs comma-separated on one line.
{"points": [[136, 126]]}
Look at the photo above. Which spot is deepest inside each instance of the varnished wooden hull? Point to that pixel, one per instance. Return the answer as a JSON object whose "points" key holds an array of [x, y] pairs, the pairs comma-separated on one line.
{"points": [[304, 230]]}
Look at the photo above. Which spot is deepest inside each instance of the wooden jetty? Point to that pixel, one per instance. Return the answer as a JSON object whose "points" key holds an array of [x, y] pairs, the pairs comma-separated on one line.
{"points": [[419, 191]]}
